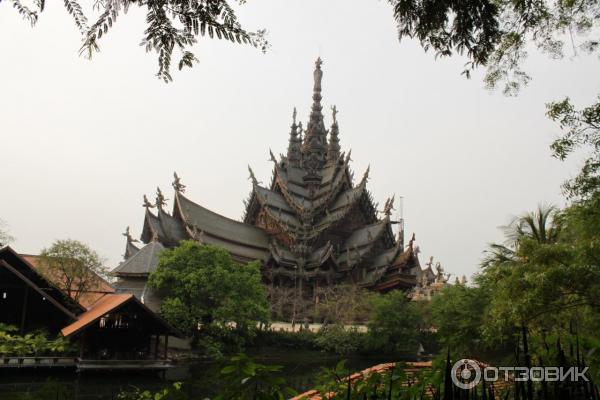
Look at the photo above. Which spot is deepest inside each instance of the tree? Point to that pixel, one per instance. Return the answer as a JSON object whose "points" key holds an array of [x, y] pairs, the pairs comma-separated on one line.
{"points": [[5, 237], [73, 266], [343, 304], [495, 34], [393, 323], [458, 312], [202, 285], [171, 24], [583, 132]]}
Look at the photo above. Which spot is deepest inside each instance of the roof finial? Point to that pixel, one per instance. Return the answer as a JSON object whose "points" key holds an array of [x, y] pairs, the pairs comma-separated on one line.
{"points": [[294, 153], [333, 150], [160, 199], [252, 177], [334, 112], [318, 75], [127, 234], [177, 185], [147, 204]]}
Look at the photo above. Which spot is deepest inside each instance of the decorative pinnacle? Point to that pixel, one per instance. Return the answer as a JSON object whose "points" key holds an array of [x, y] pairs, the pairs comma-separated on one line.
{"points": [[252, 177], [160, 198], [318, 77], [334, 112], [147, 204], [127, 234], [294, 115], [177, 185], [272, 156]]}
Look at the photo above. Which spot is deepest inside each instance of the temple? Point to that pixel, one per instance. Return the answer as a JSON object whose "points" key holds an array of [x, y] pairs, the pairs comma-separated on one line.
{"points": [[312, 226]]}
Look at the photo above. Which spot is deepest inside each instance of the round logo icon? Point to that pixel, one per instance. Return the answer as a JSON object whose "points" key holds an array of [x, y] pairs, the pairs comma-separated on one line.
{"points": [[466, 373]]}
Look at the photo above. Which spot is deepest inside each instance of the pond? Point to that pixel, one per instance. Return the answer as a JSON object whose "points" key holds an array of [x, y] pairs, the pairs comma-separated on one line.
{"points": [[301, 369]]}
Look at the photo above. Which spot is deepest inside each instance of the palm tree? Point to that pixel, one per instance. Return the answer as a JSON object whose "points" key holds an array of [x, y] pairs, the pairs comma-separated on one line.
{"points": [[538, 225]]}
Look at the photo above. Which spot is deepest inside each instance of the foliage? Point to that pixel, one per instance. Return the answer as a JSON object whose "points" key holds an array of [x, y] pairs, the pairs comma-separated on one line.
{"points": [[393, 323], [337, 339], [458, 315], [243, 378], [73, 266], [583, 132], [5, 237], [173, 392], [303, 339], [31, 344], [496, 33], [171, 24], [204, 287], [343, 304], [340, 304]]}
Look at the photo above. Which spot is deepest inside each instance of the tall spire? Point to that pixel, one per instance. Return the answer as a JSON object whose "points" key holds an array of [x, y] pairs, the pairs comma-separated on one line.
{"points": [[315, 139], [294, 153], [333, 151]]}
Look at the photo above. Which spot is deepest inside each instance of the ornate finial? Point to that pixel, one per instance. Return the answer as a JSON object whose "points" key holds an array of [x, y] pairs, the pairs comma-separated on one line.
{"points": [[318, 75], [389, 206], [411, 241], [127, 234], [366, 174], [252, 177], [160, 198], [147, 204], [272, 156], [177, 185], [334, 112], [294, 115]]}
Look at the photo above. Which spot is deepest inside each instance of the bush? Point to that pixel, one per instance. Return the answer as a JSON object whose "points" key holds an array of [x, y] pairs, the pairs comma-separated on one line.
{"points": [[31, 344], [337, 339]]}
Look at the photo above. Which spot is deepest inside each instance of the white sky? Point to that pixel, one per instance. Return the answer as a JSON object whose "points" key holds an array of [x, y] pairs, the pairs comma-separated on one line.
{"points": [[81, 141]]}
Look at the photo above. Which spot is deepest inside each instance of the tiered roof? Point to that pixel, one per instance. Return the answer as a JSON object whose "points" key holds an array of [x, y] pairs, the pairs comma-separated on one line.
{"points": [[312, 222]]}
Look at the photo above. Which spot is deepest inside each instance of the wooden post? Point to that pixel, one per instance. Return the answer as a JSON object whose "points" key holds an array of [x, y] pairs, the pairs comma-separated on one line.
{"points": [[24, 309], [166, 345], [81, 345], [157, 338]]}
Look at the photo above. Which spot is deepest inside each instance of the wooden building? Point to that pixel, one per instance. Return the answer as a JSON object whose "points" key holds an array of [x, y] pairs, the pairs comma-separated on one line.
{"points": [[311, 226], [117, 330], [28, 300]]}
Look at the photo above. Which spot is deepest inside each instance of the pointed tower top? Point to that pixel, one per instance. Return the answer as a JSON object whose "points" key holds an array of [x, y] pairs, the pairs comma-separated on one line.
{"points": [[314, 148], [333, 151], [318, 75], [294, 153]]}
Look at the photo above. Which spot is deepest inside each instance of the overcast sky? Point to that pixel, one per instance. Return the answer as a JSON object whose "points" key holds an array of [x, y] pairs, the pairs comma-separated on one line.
{"points": [[81, 141]]}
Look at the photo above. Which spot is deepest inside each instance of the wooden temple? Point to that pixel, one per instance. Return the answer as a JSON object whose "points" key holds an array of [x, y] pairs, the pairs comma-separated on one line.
{"points": [[312, 226]]}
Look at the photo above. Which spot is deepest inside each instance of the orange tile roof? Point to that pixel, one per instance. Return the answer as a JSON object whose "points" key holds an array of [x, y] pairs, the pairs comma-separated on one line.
{"points": [[86, 298], [410, 367], [104, 306]]}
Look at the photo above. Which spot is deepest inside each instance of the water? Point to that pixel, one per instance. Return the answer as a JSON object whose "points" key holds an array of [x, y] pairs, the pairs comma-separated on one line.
{"points": [[300, 368]]}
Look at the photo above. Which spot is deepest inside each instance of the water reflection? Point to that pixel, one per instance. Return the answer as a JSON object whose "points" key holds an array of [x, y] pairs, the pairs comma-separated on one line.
{"points": [[300, 368]]}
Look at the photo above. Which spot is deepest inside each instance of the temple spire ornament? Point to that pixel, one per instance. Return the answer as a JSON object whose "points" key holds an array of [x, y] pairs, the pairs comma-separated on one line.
{"points": [[333, 151], [161, 201], [177, 185], [127, 234], [147, 203], [294, 153], [314, 149]]}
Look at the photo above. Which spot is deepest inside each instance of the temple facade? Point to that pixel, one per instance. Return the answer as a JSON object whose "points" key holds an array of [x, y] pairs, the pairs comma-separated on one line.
{"points": [[312, 226]]}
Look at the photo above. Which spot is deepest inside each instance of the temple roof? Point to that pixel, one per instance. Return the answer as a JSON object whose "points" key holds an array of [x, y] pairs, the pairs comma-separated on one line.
{"points": [[313, 220], [219, 227], [141, 263]]}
